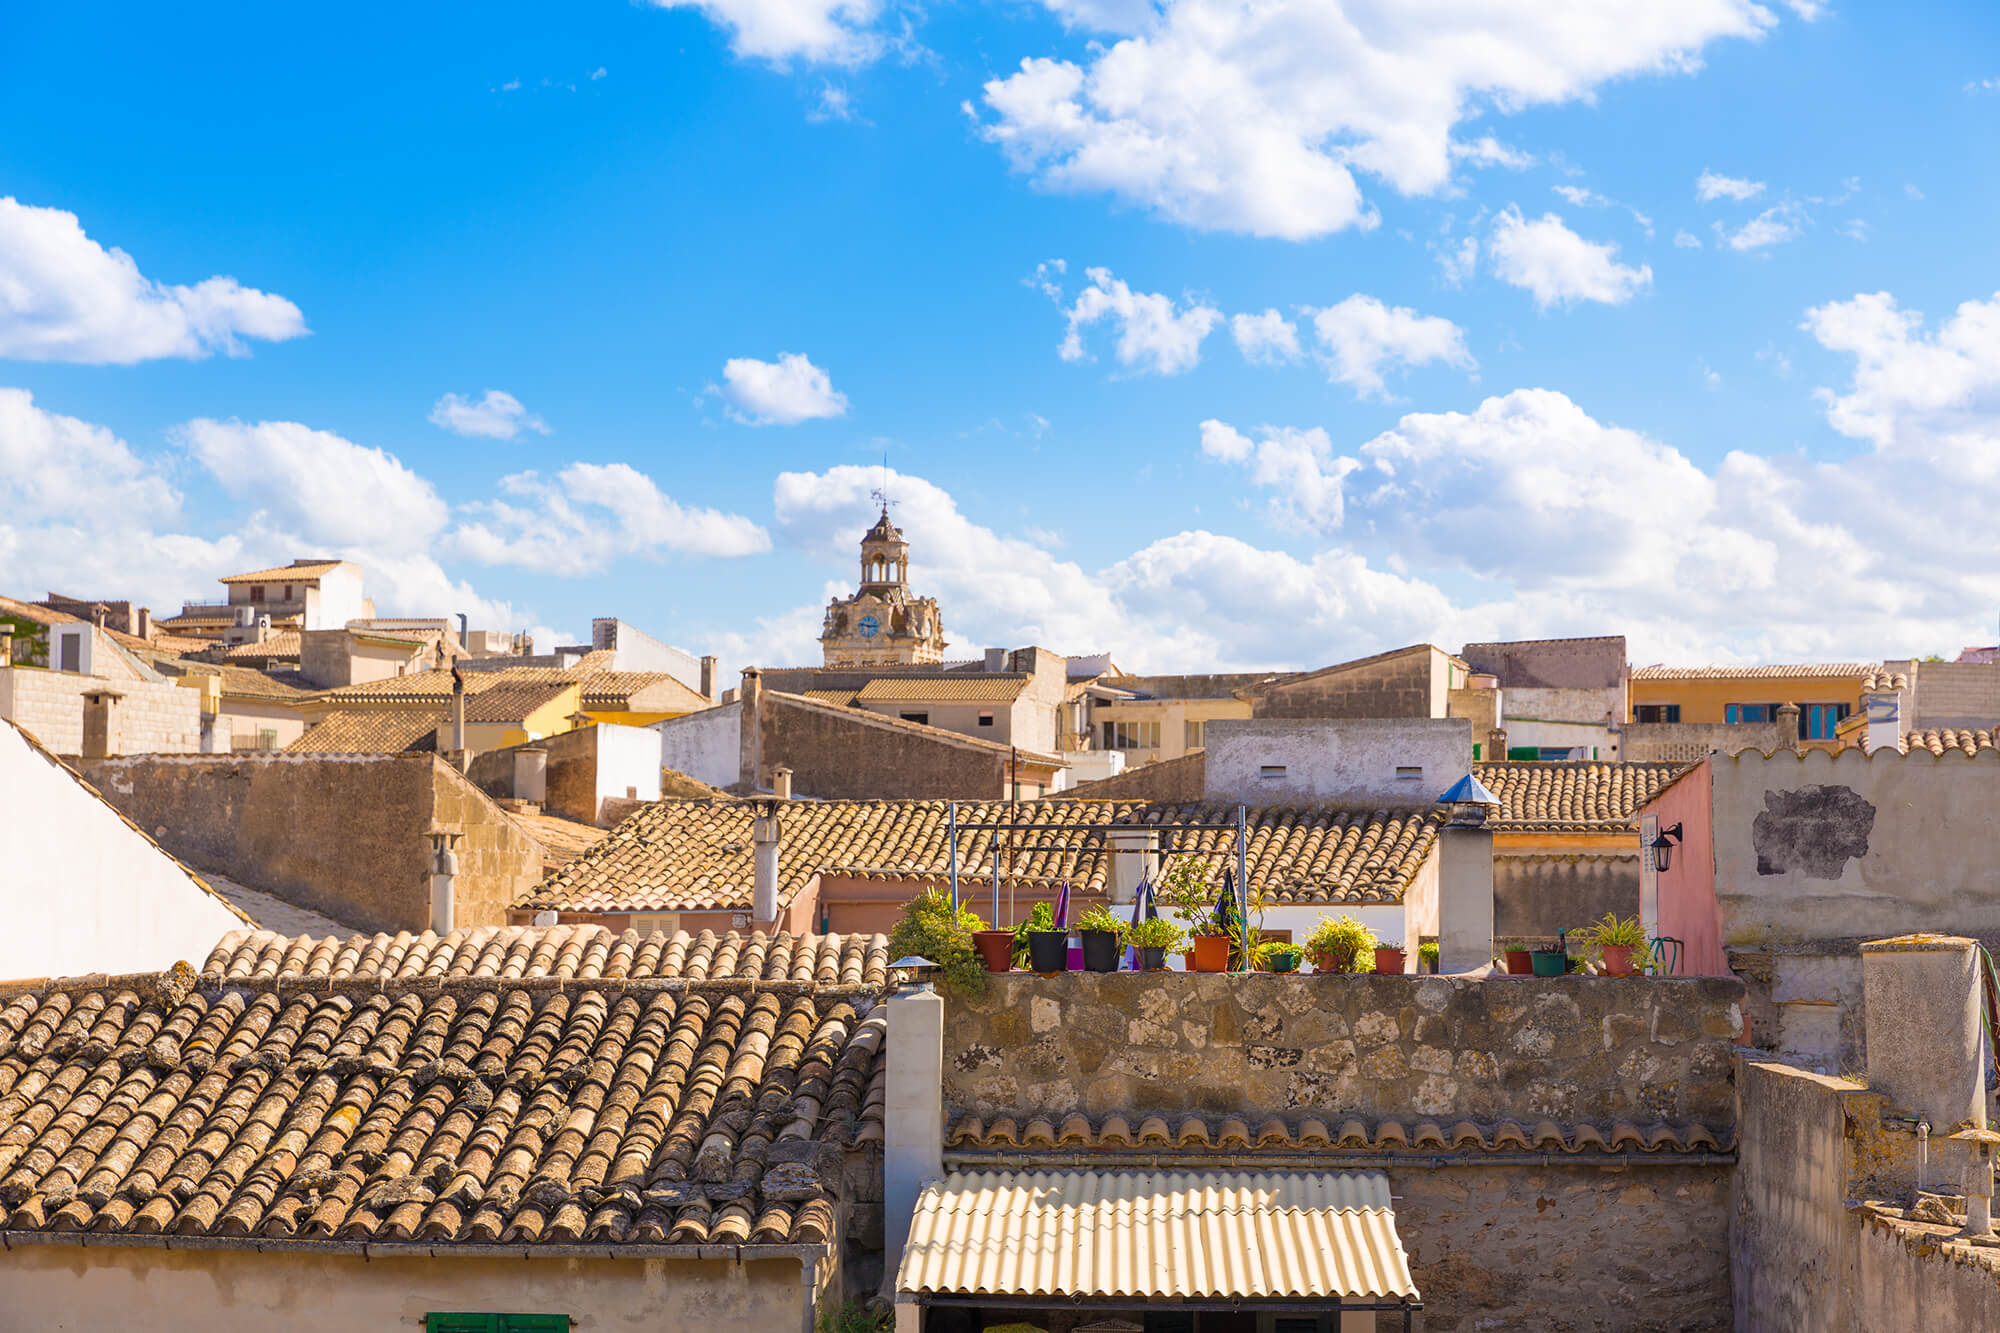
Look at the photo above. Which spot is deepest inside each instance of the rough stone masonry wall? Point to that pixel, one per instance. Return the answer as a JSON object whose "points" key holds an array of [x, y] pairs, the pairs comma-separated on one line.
{"points": [[837, 754], [1406, 685], [152, 717], [1539, 1242], [341, 834], [1568, 1049]]}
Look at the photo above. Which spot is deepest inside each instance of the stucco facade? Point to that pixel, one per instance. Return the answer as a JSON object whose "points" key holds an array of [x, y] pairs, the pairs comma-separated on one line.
{"points": [[1384, 761], [151, 716]]}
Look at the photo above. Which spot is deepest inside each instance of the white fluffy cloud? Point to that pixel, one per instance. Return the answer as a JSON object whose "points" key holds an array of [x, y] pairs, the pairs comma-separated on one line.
{"points": [[64, 297], [1299, 464], [1773, 226], [590, 514], [779, 393], [496, 416], [1255, 118], [835, 32], [1487, 151], [1154, 334], [1709, 186], [1266, 339], [1558, 266], [1361, 338]]}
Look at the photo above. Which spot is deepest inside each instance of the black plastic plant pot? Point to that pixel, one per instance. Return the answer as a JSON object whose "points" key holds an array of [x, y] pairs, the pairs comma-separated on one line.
{"points": [[1100, 951], [1048, 950], [1153, 960]]}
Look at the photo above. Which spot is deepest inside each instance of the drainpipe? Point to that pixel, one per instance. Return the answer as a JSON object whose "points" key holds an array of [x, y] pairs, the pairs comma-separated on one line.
{"points": [[764, 832], [458, 715], [444, 871]]}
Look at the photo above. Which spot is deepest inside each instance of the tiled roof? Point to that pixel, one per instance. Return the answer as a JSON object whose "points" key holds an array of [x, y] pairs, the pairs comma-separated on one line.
{"points": [[279, 643], [311, 569], [512, 701], [1858, 670], [865, 718], [617, 689], [602, 688], [695, 855], [1573, 795], [561, 840], [250, 683], [1886, 680], [1970, 740], [571, 953], [1230, 1133], [508, 1112], [370, 731], [945, 689], [838, 698]]}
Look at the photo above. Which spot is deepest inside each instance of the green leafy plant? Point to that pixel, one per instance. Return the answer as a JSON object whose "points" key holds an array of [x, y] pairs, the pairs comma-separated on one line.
{"points": [[1343, 936], [1100, 918], [1427, 957], [1185, 891], [1619, 933], [851, 1317], [1155, 933], [930, 929], [1042, 917], [1265, 951]]}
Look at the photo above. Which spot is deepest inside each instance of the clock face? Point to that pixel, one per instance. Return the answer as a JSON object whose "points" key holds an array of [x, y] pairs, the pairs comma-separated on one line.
{"points": [[869, 627]]}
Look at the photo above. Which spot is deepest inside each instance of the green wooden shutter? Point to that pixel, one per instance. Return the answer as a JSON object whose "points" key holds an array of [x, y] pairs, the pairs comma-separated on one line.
{"points": [[468, 1322]]}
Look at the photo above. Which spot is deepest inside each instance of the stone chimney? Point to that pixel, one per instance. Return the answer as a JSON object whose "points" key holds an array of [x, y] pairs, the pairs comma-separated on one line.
{"points": [[781, 783], [1882, 704], [98, 614], [103, 729], [444, 874], [1465, 881], [1789, 733], [1496, 743], [708, 679], [750, 729], [1925, 1037], [764, 836], [458, 716], [531, 774], [142, 624], [996, 659]]}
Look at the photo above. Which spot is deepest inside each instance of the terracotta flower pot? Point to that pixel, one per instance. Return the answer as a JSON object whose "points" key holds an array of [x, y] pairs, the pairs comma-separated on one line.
{"points": [[1048, 950], [1520, 963], [996, 949], [1211, 953], [1388, 960], [1100, 951], [1618, 960], [1333, 960]]}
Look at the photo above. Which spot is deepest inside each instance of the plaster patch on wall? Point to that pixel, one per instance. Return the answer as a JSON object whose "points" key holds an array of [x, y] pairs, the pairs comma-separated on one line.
{"points": [[1814, 831]]}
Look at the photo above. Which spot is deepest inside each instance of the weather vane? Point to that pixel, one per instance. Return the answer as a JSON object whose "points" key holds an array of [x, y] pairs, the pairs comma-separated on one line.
{"points": [[881, 493]]}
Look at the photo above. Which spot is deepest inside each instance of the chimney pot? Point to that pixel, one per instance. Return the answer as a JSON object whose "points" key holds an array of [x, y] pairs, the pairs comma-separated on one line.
{"points": [[764, 837], [708, 666], [781, 783], [996, 659]]}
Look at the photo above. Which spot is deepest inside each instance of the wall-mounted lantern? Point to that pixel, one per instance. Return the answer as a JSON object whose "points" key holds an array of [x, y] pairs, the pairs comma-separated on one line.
{"points": [[1663, 847]]}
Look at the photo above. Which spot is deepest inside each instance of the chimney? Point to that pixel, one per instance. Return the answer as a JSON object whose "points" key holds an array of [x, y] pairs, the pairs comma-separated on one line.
{"points": [[708, 679], [781, 783], [531, 774], [1465, 878], [764, 833], [142, 624], [102, 732], [1924, 1034], [98, 614], [996, 659], [1790, 735], [457, 711], [912, 1112], [750, 729], [1132, 860], [444, 871], [1882, 701], [1496, 743]]}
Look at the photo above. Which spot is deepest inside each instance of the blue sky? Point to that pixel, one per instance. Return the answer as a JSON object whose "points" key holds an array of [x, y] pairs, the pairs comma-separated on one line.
{"points": [[1213, 335]]}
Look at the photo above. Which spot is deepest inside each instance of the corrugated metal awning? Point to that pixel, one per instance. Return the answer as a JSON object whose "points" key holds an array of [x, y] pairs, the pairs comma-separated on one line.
{"points": [[1143, 1235]]}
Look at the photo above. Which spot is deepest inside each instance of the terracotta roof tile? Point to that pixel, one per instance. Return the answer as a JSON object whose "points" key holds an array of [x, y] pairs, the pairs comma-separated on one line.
{"points": [[370, 731], [278, 644], [1970, 740], [602, 687], [1858, 670], [509, 1112], [695, 855], [945, 689], [1886, 680], [513, 701], [311, 569], [571, 953], [1578, 795]]}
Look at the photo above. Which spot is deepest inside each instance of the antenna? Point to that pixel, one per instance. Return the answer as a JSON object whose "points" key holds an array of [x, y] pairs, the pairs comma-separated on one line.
{"points": [[881, 493]]}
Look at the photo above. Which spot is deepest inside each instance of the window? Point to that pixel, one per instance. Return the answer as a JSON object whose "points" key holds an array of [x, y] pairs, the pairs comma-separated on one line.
{"points": [[1191, 738], [1818, 722], [267, 738], [1271, 771], [1409, 773], [1131, 735], [496, 1323], [1750, 713], [1656, 712], [986, 719], [923, 719], [256, 592], [1555, 754], [72, 653]]}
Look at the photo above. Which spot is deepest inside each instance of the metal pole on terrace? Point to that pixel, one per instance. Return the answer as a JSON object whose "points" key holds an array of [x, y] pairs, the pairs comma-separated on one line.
{"points": [[1243, 890], [996, 885], [951, 833]]}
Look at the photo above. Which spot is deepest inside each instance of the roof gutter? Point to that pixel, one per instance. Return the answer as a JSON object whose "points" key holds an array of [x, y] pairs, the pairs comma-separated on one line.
{"points": [[368, 1249]]}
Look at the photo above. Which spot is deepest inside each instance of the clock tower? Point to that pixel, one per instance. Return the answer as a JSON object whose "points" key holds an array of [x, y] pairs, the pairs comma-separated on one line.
{"points": [[882, 625]]}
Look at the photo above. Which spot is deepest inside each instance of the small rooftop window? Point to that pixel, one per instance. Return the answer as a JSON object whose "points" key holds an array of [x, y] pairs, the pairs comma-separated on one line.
{"points": [[1409, 773], [1271, 771]]}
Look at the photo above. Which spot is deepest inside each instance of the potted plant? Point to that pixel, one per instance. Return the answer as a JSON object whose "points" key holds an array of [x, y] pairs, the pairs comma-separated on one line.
{"points": [[1617, 941], [1337, 944], [1047, 946], [930, 929], [1552, 962], [1389, 957], [1276, 956], [1153, 937], [1100, 930], [995, 948], [1427, 957], [1186, 893], [1520, 962]]}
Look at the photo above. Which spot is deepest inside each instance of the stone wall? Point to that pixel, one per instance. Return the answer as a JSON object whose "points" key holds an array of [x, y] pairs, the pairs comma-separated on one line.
{"points": [[1582, 664], [340, 834], [848, 754], [1685, 742], [1571, 1049], [1955, 692], [1412, 682], [706, 745], [153, 717]]}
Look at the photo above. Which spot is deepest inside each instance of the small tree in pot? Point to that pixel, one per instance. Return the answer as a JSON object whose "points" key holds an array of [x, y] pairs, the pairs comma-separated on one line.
{"points": [[1100, 930], [1186, 892], [930, 929]]}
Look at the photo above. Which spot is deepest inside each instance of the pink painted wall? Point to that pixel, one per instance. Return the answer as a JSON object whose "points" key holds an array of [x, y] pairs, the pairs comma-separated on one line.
{"points": [[1688, 909]]}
